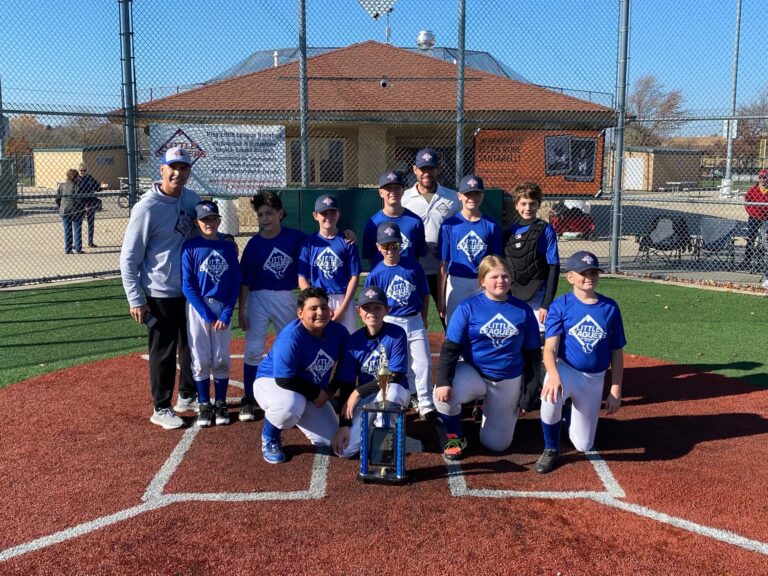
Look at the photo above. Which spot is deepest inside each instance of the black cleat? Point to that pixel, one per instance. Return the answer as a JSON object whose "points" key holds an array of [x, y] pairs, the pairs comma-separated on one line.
{"points": [[546, 462]]}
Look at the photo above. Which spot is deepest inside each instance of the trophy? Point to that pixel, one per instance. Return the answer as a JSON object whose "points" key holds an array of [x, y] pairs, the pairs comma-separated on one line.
{"points": [[382, 448]]}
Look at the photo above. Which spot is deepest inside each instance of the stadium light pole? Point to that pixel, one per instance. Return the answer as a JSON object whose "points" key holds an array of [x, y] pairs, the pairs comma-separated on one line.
{"points": [[726, 188]]}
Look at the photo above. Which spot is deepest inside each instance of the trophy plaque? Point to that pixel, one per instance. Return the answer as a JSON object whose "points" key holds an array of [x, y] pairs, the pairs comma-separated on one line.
{"points": [[382, 448]]}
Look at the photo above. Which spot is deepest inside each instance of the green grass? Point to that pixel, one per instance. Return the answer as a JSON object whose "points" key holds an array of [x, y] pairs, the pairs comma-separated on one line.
{"points": [[45, 329]]}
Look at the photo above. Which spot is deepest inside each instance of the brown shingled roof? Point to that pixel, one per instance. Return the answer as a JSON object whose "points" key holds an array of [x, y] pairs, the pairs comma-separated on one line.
{"points": [[347, 80]]}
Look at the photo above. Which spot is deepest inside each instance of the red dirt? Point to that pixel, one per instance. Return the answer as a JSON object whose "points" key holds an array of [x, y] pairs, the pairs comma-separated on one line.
{"points": [[685, 443]]}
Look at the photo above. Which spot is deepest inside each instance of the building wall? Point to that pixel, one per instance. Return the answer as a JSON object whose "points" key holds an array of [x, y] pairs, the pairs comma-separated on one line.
{"points": [[675, 168], [51, 165], [107, 165]]}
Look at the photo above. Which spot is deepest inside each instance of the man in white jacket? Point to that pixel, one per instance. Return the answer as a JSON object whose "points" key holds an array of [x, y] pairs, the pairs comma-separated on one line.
{"points": [[150, 266], [433, 203]]}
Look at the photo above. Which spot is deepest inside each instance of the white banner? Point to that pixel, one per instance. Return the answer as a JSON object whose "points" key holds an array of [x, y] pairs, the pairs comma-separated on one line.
{"points": [[228, 160]]}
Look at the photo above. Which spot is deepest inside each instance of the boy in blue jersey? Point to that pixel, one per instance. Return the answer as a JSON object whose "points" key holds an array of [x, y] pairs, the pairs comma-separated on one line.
{"points": [[584, 337], [405, 284], [363, 358], [330, 262], [530, 246], [412, 241], [210, 281], [492, 350], [465, 239], [293, 384]]}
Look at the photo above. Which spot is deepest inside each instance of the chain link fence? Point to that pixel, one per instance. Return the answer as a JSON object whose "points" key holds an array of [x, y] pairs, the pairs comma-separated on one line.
{"points": [[539, 98]]}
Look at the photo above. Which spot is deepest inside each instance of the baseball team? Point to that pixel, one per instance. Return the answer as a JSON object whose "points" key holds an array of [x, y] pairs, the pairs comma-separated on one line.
{"points": [[494, 291]]}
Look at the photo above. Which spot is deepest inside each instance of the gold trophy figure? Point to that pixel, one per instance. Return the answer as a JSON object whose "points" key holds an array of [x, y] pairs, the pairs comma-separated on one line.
{"points": [[383, 374]]}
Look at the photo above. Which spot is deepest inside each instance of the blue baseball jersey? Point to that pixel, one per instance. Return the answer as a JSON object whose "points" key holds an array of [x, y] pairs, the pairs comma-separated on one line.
{"points": [[405, 284], [297, 353], [546, 243], [329, 262], [272, 263], [463, 244], [494, 334], [588, 332], [412, 242], [363, 358], [209, 269]]}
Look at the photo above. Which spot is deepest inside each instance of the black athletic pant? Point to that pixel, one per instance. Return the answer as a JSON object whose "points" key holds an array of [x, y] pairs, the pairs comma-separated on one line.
{"points": [[432, 283], [165, 337]]}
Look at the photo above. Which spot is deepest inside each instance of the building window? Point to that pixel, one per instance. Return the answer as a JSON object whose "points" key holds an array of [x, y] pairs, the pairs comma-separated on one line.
{"points": [[326, 161], [105, 160]]}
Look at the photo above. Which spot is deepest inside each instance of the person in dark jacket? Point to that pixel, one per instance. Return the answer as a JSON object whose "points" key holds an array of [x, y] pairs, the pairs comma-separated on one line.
{"points": [[88, 187]]}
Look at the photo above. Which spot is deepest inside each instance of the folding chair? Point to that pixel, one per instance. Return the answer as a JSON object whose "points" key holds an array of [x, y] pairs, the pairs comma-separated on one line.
{"points": [[667, 237], [717, 240]]}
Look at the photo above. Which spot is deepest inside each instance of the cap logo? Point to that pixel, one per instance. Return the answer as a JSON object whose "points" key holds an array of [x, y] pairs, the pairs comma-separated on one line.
{"points": [[391, 176], [588, 259], [426, 156], [178, 153], [327, 201], [370, 293], [389, 231], [472, 182]]}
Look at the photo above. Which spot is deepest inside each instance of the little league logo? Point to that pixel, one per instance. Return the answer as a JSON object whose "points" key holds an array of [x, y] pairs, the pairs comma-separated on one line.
{"points": [[214, 265], [472, 245], [372, 363], [180, 139], [404, 242], [588, 333], [400, 290], [278, 262], [185, 223], [328, 262], [320, 366], [498, 329]]}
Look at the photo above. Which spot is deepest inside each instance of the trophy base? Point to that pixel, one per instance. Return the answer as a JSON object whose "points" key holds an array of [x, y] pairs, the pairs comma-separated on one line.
{"points": [[387, 476], [382, 453]]}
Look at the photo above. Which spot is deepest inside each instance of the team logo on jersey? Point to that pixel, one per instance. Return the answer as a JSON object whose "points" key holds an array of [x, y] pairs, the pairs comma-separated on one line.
{"points": [[443, 209], [498, 329], [400, 290], [404, 242], [185, 223], [320, 366], [472, 245], [214, 265], [328, 262], [588, 333], [278, 262], [372, 363]]}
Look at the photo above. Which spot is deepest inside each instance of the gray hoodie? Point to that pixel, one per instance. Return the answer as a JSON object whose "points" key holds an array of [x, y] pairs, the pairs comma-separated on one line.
{"points": [[150, 259]]}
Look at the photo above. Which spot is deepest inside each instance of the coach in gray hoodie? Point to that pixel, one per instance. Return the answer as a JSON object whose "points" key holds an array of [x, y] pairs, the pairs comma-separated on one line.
{"points": [[150, 266]]}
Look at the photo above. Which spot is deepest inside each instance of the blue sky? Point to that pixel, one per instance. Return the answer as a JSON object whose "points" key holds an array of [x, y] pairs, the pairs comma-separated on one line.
{"points": [[65, 54]]}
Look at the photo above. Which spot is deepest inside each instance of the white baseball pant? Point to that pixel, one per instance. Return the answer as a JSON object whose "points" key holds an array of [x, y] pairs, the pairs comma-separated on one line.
{"points": [[349, 320], [209, 349], [458, 289], [419, 359], [263, 307], [586, 392], [286, 409], [395, 393], [499, 408]]}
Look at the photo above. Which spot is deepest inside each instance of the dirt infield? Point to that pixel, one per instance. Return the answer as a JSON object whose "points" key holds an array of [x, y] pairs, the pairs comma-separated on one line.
{"points": [[89, 486]]}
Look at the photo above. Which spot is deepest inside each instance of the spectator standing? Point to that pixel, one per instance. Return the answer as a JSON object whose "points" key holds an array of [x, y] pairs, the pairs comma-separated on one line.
{"points": [[90, 202], [71, 212]]}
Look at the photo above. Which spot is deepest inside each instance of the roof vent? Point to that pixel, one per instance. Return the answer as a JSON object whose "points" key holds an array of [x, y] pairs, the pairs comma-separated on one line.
{"points": [[425, 40], [275, 58]]}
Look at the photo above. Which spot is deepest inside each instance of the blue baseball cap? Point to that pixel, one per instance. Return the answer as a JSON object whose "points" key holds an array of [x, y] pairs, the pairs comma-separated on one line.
{"points": [[206, 208], [391, 177], [581, 261], [326, 202], [426, 158], [372, 295], [388, 232], [471, 183], [176, 154]]}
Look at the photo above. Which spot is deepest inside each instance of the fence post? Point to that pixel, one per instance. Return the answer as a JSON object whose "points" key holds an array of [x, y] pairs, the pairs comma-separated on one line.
{"points": [[726, 188], [621, 109], [129, 100], [303, 94], [460, 96]]}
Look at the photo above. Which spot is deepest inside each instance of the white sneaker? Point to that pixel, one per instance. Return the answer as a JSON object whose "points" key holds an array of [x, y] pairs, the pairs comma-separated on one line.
{"points": [[186, 405], [765, 284], [166, 418]]}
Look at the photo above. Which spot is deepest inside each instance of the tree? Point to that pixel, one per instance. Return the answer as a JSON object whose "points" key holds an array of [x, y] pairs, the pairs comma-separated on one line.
{"points": [[648, 103]]}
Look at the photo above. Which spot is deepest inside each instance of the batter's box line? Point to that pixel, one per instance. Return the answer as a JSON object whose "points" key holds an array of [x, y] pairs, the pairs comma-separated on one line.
{"points": [[610, 497]]}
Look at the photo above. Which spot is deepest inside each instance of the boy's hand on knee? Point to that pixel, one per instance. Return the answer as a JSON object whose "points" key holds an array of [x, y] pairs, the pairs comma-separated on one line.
{"points": [[443, 393], [321, 399], [552, 389], [612, 402]]}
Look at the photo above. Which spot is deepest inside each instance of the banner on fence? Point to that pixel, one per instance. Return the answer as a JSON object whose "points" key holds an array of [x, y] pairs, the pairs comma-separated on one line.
{"points": [[228, 160]]}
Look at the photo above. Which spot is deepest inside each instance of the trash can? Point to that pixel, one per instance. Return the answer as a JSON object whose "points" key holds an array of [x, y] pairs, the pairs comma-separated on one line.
{"points": [[230, 221]]}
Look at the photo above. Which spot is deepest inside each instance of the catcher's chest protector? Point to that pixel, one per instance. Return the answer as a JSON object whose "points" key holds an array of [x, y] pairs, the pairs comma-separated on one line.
{"points": [[529, 267]]}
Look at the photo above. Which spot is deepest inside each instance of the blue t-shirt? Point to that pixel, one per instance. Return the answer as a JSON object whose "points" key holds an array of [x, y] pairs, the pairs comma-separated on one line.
{"points": [[494, 334], [296, 352], [412, 242], [362, 356], [405, 284], [209, 269], [588, 332], [546, 243], [463, 244], [272, 263], [329, 262]]}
